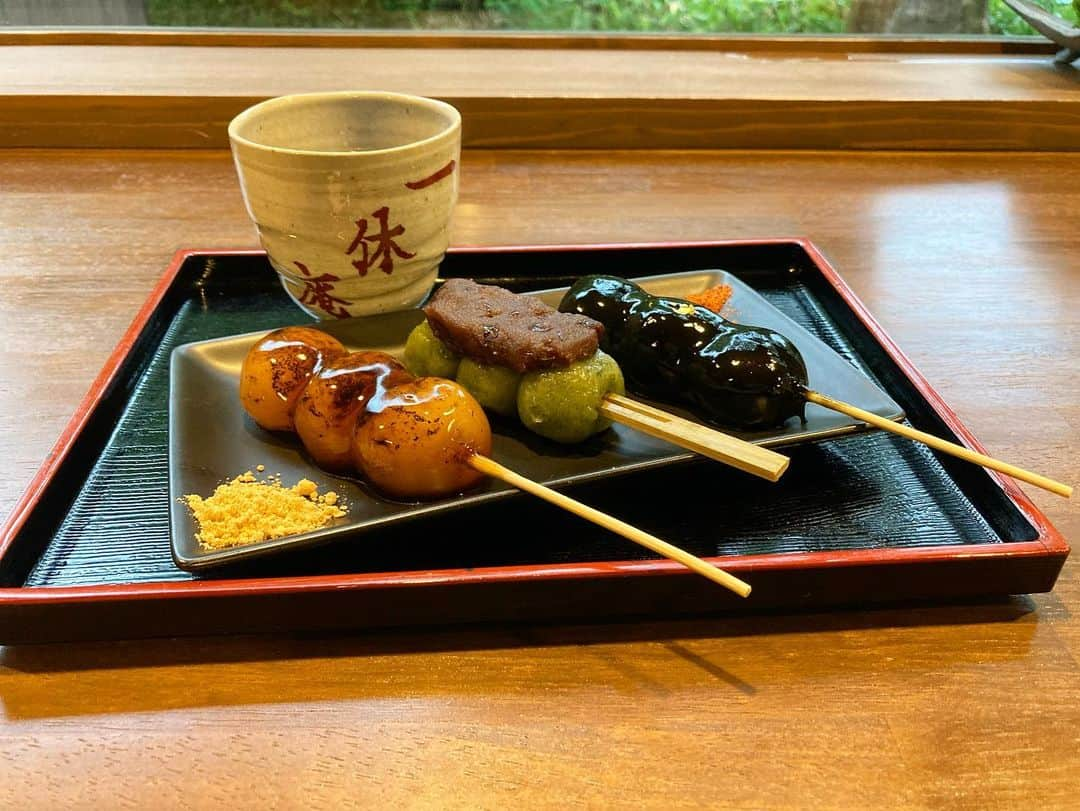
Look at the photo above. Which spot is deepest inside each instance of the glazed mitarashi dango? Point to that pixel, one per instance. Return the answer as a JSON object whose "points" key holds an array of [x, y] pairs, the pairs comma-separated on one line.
{"points": [[744, 377], [411, 437]]}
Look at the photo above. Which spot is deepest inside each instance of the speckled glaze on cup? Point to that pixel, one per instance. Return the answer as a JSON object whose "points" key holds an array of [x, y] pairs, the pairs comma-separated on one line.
{"points": [[351, 194]]}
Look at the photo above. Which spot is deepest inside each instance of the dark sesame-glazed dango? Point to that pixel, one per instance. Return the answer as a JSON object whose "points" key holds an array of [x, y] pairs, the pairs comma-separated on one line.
{"points": [[749, 378]]}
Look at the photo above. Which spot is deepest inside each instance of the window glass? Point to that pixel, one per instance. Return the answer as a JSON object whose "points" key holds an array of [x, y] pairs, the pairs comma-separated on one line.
{"points": [[767, 17]]}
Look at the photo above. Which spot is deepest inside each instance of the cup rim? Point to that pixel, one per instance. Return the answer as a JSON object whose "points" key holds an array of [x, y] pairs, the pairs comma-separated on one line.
{"points": [[279, 101]]}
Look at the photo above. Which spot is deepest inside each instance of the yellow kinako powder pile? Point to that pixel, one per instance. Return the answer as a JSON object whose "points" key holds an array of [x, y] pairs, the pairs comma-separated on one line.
{"points": [[246, 510]]}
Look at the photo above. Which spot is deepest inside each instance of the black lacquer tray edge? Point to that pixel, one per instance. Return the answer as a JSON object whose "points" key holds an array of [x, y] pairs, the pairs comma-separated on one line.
{"points": [[513, 593]]}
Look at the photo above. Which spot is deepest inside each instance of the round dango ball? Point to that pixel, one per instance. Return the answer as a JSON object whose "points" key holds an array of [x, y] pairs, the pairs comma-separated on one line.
{"points": [[416, 440], [427, 356], [564, 404], [276, 369], [335, 396], [495, 387]]}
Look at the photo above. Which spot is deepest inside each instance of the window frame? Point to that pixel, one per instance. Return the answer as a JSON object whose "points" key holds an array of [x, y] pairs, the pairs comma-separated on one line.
{"points": [[870, 93]]}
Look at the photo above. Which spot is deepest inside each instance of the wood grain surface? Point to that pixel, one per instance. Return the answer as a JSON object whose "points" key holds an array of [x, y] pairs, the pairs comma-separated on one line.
{"points": [[972, 262], [839, 45], [102, 96]]}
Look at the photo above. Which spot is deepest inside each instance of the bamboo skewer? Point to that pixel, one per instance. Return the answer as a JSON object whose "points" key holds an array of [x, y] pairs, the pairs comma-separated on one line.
{"points": [[939, 444], [698, 438], [492, 468]]}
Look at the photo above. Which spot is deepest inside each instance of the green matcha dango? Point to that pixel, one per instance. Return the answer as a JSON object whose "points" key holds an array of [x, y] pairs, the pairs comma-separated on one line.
{"points": [[427, 356], [564, 404], [561, 404], [494, 387]]}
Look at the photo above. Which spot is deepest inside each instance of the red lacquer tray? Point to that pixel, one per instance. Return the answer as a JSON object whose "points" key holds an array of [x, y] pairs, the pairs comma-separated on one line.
{"points": [[863, 519]]}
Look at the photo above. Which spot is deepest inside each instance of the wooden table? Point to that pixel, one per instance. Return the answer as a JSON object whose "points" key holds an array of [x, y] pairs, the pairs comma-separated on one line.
{"points": [[971, 261]]}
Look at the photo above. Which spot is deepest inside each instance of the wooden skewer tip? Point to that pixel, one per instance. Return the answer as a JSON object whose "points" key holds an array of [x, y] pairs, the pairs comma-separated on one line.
{"points": [[939, 444], [492, 468]]}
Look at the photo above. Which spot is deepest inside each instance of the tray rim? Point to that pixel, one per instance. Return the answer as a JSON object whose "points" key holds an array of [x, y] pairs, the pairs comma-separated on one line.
{"points": [[1048, 542]]}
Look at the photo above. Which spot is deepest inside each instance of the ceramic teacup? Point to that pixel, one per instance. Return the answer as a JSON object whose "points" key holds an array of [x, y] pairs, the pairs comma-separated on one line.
{"points": [[351, 194]]}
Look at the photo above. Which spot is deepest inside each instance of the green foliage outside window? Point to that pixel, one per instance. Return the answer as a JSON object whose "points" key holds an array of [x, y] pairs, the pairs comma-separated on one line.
{"points": [[676, 16]]}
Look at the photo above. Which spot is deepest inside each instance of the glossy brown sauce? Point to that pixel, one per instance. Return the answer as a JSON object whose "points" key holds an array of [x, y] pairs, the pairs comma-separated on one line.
{"points": [[411, 438]]}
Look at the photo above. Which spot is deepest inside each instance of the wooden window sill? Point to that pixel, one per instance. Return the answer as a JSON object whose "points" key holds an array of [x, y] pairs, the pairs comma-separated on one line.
{"points": [[840, 44], [168, 96]]}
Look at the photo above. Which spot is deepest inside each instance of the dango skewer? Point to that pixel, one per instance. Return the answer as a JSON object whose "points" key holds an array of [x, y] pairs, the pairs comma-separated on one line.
{"points": [[695, 564], [410, 437], [939, 444], [524, 360], [744, 376], [701, 439]]}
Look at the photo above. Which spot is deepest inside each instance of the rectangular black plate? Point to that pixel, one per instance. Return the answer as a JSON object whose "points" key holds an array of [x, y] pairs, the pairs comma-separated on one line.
{"points": [[864, 518], [211, 440]]}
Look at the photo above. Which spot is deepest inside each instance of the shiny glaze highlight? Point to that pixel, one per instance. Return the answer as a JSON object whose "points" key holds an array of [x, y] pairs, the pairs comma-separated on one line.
{"points": [[416, 440], [276, 370], [334, 398], [750, 378]]}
